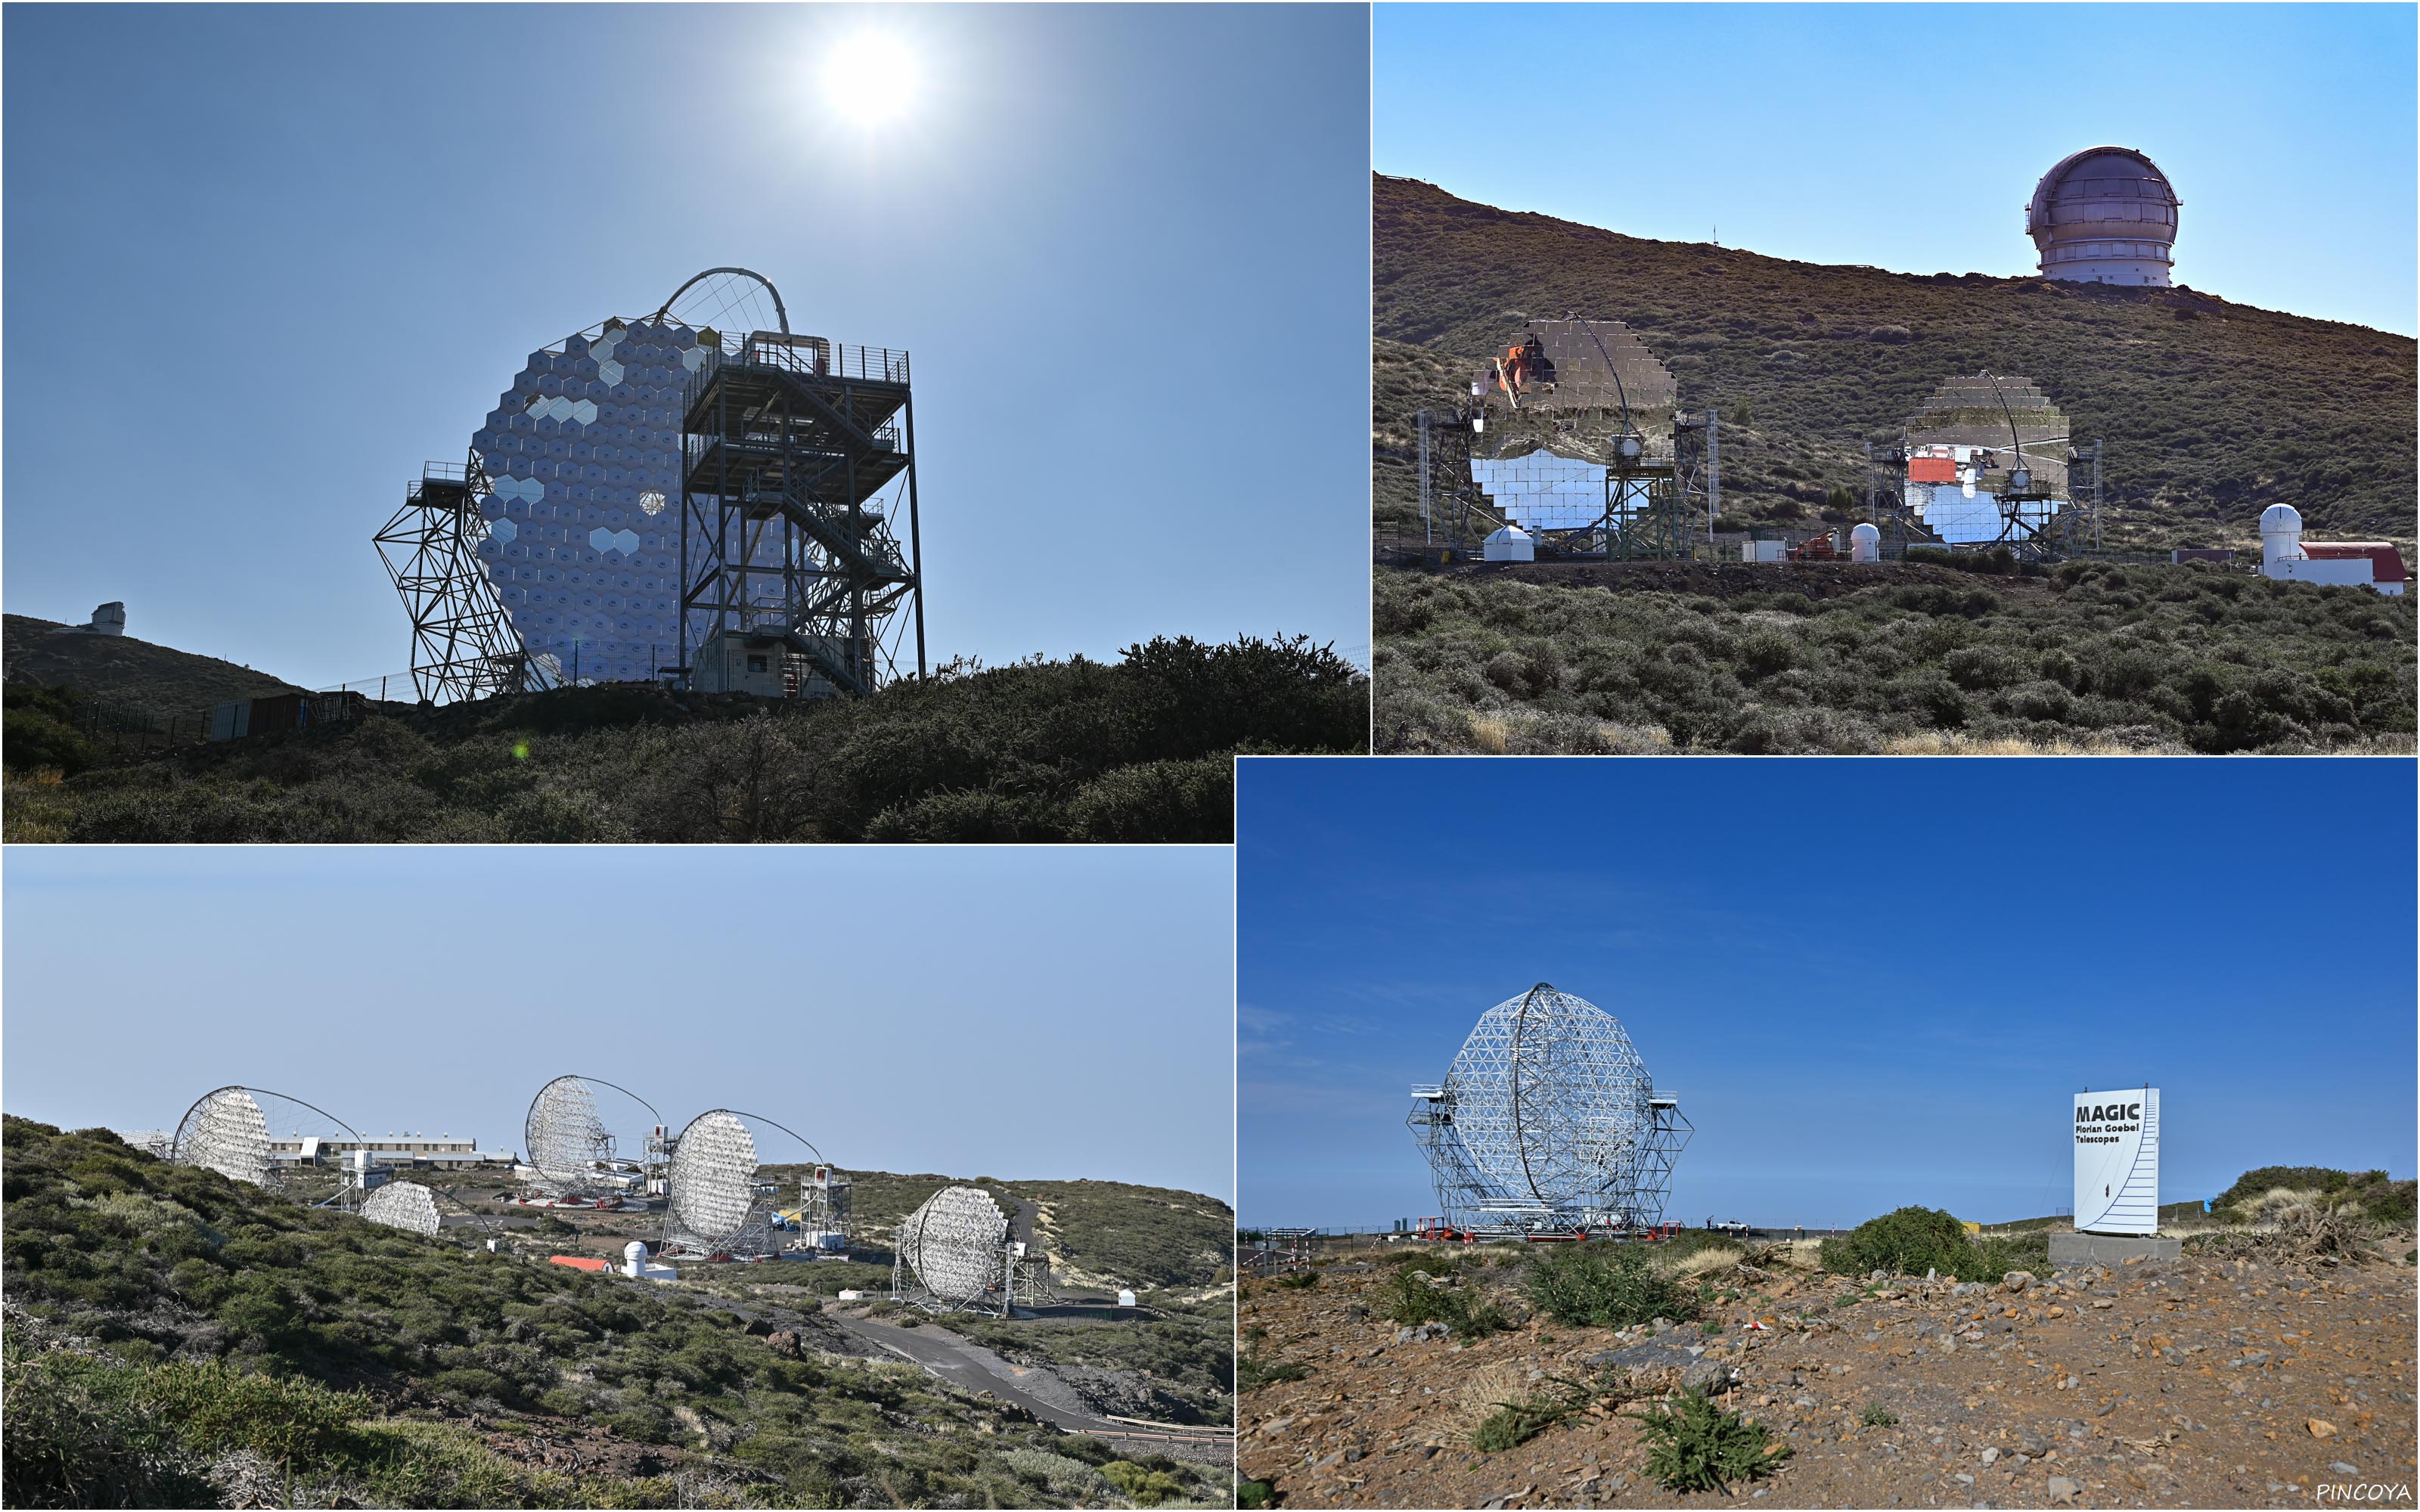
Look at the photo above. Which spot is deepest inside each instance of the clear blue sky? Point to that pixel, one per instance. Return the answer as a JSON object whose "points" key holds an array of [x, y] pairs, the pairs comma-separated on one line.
{"points": [[1910, 136], [1871, 983], [263, 262], [1027, 1011]]}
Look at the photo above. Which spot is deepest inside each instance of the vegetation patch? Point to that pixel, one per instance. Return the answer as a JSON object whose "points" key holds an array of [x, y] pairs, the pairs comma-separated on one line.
{"points": [[1607, 1286], [2093, 656], [203, 1328], [1409, 1300], [2373, 1195], [1694, 1445], [1139, 749], [1914, 1241]]}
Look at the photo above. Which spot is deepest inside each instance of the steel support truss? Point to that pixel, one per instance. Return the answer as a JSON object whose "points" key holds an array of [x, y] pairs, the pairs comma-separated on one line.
{"points": [[463, 643]]}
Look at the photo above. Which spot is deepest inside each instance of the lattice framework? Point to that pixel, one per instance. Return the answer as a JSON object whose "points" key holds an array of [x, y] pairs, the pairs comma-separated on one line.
{"points": [[1548, 1120]]}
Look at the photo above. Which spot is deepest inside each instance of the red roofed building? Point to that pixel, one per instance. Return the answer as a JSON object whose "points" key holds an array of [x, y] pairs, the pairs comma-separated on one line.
{"points": [[2387, 573]]}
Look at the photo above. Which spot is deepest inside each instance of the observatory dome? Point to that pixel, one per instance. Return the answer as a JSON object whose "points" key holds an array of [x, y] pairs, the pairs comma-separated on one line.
{"points": [[2105, 215], [2281, 533]]}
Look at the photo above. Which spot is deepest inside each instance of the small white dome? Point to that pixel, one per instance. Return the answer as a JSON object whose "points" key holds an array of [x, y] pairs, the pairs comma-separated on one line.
{"points": [[2281, 519], [1865, 533], [635, 1252], [1511, 544]]}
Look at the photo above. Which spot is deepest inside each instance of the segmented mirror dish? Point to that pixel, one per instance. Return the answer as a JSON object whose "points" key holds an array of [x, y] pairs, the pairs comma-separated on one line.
{"points": [[955, 1243], [405, 1205], [713, 1178]]}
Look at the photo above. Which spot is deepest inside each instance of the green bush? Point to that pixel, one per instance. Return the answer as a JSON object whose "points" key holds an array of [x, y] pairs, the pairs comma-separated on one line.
{"points": [[1142, 1486], [1694, 1445], [1598, 1284], [37, 737], [1912, 1241]]}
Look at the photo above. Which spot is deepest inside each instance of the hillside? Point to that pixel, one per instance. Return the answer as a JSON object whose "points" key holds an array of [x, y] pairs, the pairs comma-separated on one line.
{"points": [[1138, 749], [177, 1339], [1098, 1233], [160, 681], [2211, 410]]}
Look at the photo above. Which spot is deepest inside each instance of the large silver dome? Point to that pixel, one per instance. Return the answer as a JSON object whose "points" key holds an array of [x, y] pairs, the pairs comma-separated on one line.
{"points": [[2105, 215]]}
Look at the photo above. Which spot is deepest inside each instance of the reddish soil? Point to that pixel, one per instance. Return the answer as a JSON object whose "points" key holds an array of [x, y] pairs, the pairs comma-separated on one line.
{"points": [[2193, 1382]]}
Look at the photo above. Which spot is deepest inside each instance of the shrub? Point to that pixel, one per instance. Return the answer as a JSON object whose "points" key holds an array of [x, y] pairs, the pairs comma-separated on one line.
{"points": [[1410, 1301], [1605, 1285], [1908, 1242], [1693, 1445], [36, 739], [1144, 1487], [1165, 802], [1878, 1417]]}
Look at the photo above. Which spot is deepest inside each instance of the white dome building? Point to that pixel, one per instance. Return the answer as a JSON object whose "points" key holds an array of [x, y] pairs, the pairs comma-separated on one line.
{"points": [[2377, 565], [2105, 215], [1511, 544]]}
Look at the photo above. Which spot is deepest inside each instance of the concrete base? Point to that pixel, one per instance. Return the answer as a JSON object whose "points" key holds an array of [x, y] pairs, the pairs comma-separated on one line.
{"points": [[2112, 1249]]}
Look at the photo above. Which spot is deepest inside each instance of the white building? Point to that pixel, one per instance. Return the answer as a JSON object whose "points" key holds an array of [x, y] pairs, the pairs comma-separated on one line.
{"points": [[2376, 565]]}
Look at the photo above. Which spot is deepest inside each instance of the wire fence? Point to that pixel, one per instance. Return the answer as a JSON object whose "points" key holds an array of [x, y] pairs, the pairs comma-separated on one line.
{"points": [[122, 728]]}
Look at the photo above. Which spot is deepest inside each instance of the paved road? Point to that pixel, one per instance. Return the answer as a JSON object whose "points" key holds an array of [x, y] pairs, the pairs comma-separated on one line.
{"points": [[971, 1368]]}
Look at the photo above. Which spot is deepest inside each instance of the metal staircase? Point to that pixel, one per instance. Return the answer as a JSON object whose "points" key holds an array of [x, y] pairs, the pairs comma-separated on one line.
{"points": [[790, 447]]}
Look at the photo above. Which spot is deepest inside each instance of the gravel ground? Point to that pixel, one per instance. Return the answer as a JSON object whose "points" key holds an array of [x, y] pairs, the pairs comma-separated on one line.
{"points": [[2193, 1382]]}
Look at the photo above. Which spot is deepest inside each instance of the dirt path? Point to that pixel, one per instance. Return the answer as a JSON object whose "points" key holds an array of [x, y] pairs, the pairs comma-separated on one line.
{"points": [[2196, 1382]]}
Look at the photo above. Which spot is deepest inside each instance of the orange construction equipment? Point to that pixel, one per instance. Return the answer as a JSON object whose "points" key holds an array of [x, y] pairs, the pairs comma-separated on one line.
{"points": [[1816, 549]]}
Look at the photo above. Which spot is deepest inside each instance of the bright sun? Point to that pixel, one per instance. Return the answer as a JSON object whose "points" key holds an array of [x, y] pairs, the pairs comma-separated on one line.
{"points": [[869, 77]]}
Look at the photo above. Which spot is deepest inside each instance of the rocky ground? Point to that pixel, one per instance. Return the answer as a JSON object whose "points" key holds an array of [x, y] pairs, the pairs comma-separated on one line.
{"points": [[2193, 1382]]}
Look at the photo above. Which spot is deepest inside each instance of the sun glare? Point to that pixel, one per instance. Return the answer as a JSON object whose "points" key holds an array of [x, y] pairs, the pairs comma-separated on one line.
{"points": [[869, 77]]}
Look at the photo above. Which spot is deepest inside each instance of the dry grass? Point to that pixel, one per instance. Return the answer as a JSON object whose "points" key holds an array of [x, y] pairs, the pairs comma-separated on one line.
{"points": [[1497, 734], [1713, 1257], [30, 809], [1949, 743], [1482, 1392]]}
